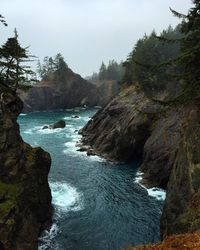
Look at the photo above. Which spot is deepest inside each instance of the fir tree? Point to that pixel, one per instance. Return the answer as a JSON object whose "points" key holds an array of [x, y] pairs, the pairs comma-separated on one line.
{"points": [[2, 20], [102, 72], [13, 72], [189, 58]]}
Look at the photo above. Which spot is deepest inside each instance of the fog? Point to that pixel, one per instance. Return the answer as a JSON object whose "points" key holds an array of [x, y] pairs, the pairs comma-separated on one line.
{"points": [[86, 32]]}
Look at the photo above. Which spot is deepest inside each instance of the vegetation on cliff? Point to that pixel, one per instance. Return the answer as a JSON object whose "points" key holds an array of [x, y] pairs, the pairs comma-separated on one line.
{"points": [[13, 71], [151, 51], [52, 68], [171, 57], [25, 196], [169, 143], [112, 72]]}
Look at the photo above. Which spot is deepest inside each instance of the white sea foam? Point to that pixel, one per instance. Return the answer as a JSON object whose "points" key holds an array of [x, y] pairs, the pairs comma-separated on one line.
{"points": [[65, 197], [32, 130], [40, 130], [49, 131], [86, 119], [73, 150], [22, 114], [48, 236], [158, 193], [155, 192]]}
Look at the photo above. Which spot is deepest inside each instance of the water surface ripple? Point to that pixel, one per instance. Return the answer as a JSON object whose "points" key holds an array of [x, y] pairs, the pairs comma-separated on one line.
{"points": [[98, 205]]}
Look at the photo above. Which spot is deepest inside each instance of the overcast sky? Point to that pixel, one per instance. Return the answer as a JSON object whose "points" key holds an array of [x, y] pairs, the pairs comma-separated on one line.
{"points": [[86, 32]]}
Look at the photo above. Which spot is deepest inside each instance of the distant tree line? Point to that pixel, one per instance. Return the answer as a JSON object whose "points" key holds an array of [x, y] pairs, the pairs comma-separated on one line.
{"points": [[112, 71], [150, 51], [171, 57]]}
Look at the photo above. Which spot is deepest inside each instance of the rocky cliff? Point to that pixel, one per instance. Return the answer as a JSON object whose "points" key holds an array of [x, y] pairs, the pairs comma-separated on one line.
{"points": [[169, 145], [59, 92], [120, 130], [25, 196], [67, 91]]}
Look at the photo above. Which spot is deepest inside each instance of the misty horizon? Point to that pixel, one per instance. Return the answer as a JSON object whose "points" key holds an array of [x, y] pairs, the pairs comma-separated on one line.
{"points": [[86, 32]]}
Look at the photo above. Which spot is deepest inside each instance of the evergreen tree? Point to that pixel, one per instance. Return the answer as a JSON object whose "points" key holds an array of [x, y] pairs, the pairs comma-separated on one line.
{"points": [[189, 58], [150, 51], [102, 72], [13, 72], [51, 67], [2, 20], [113, 71]]}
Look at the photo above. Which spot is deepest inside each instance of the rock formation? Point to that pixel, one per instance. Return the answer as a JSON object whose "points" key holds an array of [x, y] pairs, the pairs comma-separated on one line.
{"points": [[59, 124], [168, 144], [68, 91], [120, 130], [25, 196]]}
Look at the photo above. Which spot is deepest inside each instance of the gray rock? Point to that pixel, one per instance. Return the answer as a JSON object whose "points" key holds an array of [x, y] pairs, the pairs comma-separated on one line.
{"points": [[120, 130], [45, 127], [59, 124]]}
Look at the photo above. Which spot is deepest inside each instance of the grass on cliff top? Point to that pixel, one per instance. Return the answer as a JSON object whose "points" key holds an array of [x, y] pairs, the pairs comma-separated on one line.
{"points": [[175, 242]]}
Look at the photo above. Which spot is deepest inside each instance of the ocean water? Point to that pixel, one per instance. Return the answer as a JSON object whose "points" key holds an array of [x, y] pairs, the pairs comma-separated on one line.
{"points": [[98, 205]]}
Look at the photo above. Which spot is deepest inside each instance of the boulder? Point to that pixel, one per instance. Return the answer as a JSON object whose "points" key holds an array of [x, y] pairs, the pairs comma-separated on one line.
{"points": [[45, 127], [59, 124]]}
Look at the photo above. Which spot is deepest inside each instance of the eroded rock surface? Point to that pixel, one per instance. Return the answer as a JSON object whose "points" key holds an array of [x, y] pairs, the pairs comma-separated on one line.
{"points": [[120, 130], [25, 196], [68, 91], [169, 146]]}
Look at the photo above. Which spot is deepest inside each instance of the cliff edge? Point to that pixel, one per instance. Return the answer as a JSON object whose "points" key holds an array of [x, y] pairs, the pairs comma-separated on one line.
{"points": [[25, 196], [168, 144]]}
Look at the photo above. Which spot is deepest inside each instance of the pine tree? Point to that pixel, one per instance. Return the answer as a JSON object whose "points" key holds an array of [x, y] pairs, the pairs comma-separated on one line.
{"points": [[2, 20], [102, 72], [189, 58], [13, 72], [144, 64]]}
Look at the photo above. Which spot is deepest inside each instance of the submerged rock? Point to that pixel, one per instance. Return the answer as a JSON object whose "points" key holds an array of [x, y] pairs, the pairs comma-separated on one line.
{"points": [[75, 116], [25, 196]]}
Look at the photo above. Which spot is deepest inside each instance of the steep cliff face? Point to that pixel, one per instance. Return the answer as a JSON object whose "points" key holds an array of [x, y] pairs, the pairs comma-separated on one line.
{"points": [[120, 130], [182, 207], [105, 91], [160, 149], [169, 146], [25, 196], [68, 91]]}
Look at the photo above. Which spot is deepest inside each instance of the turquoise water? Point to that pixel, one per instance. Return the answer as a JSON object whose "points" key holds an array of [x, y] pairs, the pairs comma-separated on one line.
{"points": [[98, 205]]}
